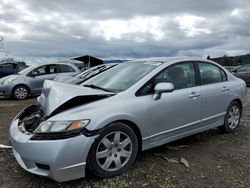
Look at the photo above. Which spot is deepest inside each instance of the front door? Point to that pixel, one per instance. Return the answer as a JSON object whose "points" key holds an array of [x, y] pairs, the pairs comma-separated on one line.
{"points": [[175, 113]]}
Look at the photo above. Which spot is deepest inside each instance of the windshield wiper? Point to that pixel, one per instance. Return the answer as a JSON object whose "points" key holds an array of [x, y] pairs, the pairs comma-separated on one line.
{"points": [[97, 87]]}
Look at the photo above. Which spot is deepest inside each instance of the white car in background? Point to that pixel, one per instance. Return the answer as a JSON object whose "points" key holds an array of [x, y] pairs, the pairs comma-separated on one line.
{"points": [[29, 81]]}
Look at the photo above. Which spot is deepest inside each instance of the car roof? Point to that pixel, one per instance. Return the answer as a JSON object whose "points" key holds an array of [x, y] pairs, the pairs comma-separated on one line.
{"points": [[2, 63], [168, 59], [49, 63]]}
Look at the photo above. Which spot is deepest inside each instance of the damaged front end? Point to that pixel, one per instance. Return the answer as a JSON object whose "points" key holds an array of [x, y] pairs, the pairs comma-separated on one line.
{"points": [[30, 118], [41, 153], [36, 120]]}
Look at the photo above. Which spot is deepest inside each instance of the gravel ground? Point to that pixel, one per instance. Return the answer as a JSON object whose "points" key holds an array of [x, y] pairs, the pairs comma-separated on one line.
{"points": [[214, 159]]}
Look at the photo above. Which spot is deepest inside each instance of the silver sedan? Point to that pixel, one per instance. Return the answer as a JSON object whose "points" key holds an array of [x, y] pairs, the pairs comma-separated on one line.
{"points": [[30, 80], [135, 106]]}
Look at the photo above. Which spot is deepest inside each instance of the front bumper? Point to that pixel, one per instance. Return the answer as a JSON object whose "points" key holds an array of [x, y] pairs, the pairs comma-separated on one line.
{"points": [[6, 90], [61, 160]]}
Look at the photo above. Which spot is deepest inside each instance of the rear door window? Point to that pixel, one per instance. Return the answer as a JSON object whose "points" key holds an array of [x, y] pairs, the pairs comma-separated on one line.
{"points": [[65, 68], [211, 74]]}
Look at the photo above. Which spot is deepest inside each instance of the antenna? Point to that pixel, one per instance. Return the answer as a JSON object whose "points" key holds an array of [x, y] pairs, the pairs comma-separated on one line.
{"points": [[3, 52]]}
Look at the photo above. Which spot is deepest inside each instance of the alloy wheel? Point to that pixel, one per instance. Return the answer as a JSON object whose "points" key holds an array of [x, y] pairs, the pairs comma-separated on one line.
{"points": [[114, 151], [21, 93], [233, 117]]}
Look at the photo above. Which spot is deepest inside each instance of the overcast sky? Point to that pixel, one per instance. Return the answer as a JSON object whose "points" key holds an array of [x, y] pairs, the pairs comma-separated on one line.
{"points": [[125, 28]]}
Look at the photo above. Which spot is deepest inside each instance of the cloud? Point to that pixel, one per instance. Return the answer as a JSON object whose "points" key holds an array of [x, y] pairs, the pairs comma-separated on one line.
{"points": [[127, 29]]}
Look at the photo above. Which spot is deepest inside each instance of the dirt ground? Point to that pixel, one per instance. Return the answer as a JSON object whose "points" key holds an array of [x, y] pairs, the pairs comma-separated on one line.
{"points": [[215, 160]]}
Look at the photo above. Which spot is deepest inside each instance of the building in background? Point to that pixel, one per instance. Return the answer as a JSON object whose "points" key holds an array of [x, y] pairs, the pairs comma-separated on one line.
{"points": [[88, 61]]}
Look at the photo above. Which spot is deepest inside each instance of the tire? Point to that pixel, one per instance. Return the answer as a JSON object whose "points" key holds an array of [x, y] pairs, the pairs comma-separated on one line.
{"points": [[20, 92], [108, 157], [232, 118]]}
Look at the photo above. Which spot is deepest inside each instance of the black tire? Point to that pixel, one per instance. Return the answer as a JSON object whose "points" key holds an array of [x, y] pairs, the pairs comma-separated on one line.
{"points": [[94, 163], [228, 127], [23, 92]]}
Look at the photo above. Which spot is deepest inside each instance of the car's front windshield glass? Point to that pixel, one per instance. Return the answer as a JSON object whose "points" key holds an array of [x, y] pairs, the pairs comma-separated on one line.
{"points": [[89, 71], [122, 76], [26, 70]]}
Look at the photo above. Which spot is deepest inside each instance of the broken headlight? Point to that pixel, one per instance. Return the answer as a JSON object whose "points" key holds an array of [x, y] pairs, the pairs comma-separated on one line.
{"points": [[61, 126]]}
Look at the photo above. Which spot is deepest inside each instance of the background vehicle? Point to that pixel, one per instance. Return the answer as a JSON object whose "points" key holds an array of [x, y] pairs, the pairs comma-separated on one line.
{"points": [[10, 68], [81, 77], [130, 108], [30, 80], [230, 68], [78, 64], [243, 73]]}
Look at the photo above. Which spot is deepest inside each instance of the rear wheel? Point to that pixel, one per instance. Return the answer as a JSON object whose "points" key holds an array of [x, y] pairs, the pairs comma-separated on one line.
{"points": [[232, 118], [114, 151], [20, 92]]}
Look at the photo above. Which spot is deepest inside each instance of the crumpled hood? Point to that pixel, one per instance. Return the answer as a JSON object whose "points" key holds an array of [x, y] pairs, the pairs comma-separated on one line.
{"points": [[56, 94]]}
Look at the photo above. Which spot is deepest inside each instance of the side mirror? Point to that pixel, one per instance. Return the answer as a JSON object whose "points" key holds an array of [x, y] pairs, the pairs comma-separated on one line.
{"points": [[162, 88]]}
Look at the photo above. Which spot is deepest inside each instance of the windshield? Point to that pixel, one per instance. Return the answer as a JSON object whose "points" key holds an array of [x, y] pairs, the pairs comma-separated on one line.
{"points": [[26, 70], [122, 76], [90, 72]]}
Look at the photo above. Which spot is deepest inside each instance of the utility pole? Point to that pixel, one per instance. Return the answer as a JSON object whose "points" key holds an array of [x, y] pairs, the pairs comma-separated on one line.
{"points": [[3, 52], [89, 63]]}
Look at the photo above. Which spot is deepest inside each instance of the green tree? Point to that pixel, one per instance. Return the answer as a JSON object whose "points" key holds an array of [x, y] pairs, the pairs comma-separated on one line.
{"points": [[226, 61]]}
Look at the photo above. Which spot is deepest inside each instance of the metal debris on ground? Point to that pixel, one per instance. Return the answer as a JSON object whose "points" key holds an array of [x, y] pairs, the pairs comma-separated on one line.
{"points": [[170, 160], [182, 160], [175, 148], [5, 146]]}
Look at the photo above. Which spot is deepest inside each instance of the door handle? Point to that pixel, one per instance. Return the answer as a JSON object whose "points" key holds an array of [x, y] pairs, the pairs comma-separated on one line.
{"points": [[194, 95], [225, 88]]}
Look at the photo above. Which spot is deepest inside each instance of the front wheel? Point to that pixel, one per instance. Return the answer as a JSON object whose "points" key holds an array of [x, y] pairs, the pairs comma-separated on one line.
{"points": [[114, 151], [20, 92], [232, 118]]}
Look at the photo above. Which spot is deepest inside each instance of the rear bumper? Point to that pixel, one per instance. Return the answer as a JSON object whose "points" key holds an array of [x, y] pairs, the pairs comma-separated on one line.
{"points": [[5, 90], [61, 160]]}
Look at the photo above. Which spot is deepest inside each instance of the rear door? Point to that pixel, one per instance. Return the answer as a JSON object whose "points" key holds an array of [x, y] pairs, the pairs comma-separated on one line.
{"points": [[215, 94]]}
